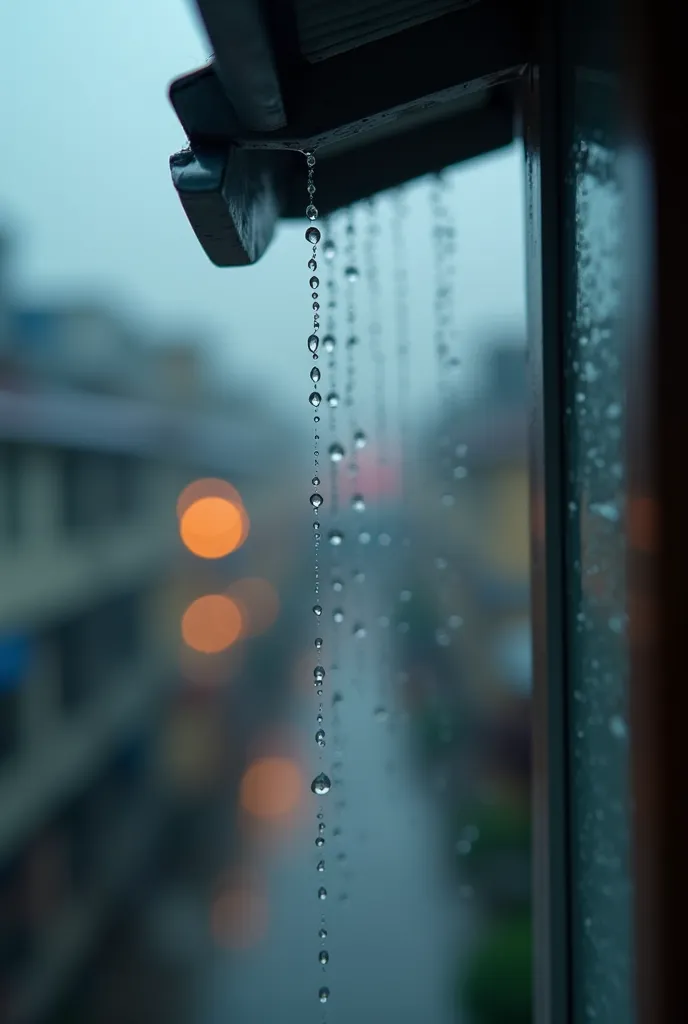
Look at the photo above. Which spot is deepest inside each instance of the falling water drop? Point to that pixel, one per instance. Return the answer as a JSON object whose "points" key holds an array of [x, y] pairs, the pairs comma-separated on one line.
{"points": [[312, 233], [360, 440], [322, 934], [324, 993], [317, 610], [319, 842], [321, 784], [312, 264], [323, 956], [312, 214], [320, 866], [318, 643], [336, 452], [316, 499], [319, 673], [314, 283], [320, 737], [315, 374], [319, 719], [336, 538], [322, 893], [313, 342], [315, 399]]}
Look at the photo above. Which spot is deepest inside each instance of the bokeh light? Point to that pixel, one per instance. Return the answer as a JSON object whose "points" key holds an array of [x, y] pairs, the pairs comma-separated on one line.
{"points": [[208, 671], [271, 788], [211, 623], [212, 519], [258, 602], [239, 914]]}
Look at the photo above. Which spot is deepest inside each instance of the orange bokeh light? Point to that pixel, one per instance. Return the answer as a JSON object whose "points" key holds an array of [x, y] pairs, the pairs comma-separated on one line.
{"points": [[211, 623], [239, 916], [212, 519], [271, 788], [258, 602]]}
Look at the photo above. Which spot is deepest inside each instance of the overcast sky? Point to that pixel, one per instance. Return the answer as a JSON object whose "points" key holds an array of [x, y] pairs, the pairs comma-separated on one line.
{"points": [[86, 131]]}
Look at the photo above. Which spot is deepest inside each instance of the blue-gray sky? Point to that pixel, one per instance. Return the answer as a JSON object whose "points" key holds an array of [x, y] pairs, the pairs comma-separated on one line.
{"points": [[84, 183]]}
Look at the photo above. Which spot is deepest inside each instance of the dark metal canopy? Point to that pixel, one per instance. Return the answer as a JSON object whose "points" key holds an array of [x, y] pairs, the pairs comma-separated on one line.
{"points": [[384, 91]]}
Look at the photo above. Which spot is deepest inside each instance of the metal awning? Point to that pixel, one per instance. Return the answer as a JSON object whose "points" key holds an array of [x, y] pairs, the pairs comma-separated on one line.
{"points": [[383, 91]]}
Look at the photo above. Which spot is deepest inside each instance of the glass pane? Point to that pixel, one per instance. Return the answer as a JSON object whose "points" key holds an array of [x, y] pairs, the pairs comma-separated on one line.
{"points": [[158, 858]]}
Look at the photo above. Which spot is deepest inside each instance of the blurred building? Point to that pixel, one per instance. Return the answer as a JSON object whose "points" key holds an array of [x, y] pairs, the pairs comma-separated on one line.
{"points": [[99, 434]]}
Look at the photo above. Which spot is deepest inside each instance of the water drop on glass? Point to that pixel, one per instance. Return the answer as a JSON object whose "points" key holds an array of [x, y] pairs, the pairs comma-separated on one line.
{"points": [[333, 399], [336, 452], [329, 343], [358, 503], [335, 537], [321, 784]]}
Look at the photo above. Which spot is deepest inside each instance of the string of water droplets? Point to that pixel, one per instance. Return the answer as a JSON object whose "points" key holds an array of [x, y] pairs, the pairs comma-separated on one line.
{"points": [[402, 329], [321, 783]]}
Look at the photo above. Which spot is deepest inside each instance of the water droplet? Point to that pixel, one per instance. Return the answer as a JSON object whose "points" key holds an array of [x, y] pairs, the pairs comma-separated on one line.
{"points": [[321, 784], [617, 727], [319, 673], [336, 452], [316, 526], [323, 956], [322, 893], [312, 213], [313, 342], [312, 264], [358, 503], [384, 540], [324, 993], [352, 274], [310, 158], [360, 440], [320, 737], [320, 866], [316, 499], [322, 934], [359, 631], [318, 643], [338, 615], [337, 586], [317, 610], [312, 235], [319, 842], [314, 283], [319, 693], [381, 714], [315, 481], [314, 398], [460, 472], [336, 538], [329, 343], [319, 719], [321, 826], [315, 374], [329, 249], [359, 576], [364, 537], [333, 399]]}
